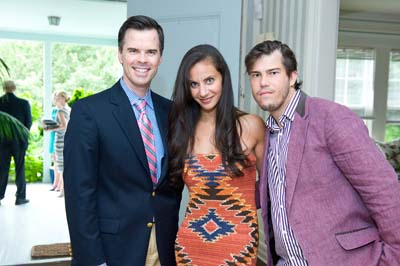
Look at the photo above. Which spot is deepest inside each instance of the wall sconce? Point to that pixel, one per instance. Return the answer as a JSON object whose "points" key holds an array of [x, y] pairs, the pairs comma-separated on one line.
{"points": [[54, 20]]}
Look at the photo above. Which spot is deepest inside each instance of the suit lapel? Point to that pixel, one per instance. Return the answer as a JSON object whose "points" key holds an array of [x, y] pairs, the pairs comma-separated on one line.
{"points": [[125, 116], [297, 142]]}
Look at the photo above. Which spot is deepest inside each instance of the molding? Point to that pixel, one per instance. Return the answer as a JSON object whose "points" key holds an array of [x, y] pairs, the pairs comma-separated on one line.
{"points": [[243, 50], [35, 36], [369, 16], [370, 23], [320, 44], [368, 40]]}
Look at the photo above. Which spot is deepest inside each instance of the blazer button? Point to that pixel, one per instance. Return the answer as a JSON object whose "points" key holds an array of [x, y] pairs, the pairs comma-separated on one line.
{"points": [[149, 225], [153, 194]]}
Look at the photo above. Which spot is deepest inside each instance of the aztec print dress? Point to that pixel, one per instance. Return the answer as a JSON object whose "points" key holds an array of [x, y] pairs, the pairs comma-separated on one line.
{"points": [[220, 225]]}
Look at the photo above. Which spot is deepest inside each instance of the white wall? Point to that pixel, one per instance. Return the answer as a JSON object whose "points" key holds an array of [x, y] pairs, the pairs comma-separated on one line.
{"points": [[309, 27]]}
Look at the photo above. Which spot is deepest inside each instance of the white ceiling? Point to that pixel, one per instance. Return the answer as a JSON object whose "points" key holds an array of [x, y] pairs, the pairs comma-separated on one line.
{"points": [[89, 18], [102, 18]]}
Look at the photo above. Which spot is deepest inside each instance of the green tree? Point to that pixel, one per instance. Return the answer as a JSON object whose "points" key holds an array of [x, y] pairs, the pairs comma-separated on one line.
{"points": [[4, 70], [11, 128], [25, 59], [78, 93], [91, 68], [83, 68]]}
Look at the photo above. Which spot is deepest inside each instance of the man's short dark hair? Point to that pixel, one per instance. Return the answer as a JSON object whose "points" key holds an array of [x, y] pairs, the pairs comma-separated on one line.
{"points": [[140, 23], [268, 47]]}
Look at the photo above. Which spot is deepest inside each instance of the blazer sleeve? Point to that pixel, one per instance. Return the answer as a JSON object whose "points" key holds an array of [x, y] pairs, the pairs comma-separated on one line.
{"points": [[28, 115], [367, 170], [80, 184]]}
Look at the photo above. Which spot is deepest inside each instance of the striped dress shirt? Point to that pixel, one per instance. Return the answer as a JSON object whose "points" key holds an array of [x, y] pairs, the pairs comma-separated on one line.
{"points": [[286, 245], [133, 98]]}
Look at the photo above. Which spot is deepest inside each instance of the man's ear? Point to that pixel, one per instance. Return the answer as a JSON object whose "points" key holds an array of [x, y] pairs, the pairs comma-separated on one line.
{"points": [[120, 56], [293, 78]]}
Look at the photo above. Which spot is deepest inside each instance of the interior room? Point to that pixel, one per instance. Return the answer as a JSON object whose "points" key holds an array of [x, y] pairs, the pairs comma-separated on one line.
{"points": [[348, 52]]}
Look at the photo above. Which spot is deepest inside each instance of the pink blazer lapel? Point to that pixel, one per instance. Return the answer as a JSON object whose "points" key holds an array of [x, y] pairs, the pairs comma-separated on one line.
{"points": [[297, 140], [298, 136]]}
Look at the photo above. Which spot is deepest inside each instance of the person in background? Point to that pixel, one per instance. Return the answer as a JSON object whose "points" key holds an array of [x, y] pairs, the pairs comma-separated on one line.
{"points": [[121, 208], [51, 147], [334, 198], [21, 110], [62, 118], [215, 149]]}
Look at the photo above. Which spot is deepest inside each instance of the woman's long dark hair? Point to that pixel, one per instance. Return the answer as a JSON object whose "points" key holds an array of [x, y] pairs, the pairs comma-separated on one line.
{"points": [[185, 114]]}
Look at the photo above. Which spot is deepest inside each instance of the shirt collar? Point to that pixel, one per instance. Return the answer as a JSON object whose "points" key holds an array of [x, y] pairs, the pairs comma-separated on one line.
{"points": [[133, 97], [287, 116]]}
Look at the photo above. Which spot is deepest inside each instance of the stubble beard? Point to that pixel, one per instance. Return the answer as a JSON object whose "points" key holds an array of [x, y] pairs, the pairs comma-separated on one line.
{"points": [[273, 106]]}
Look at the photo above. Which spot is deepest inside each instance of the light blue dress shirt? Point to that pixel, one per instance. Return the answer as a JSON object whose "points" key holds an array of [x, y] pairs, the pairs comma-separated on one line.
{"points": [[133, 98]]}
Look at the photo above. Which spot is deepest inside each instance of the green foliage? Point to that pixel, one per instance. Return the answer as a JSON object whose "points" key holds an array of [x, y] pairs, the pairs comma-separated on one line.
{"points": [[33, 169], [34, 154], [4, 70], [93, 68], [25, 61], [392, 132], [12, 128], [78, 93], [33, 158], [79, 70]]}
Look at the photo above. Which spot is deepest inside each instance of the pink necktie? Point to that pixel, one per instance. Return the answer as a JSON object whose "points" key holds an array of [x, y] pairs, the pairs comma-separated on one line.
{"points": [[148, 138]]}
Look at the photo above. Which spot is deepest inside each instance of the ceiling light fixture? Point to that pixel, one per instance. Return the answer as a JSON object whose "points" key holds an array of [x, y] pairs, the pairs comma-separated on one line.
{"points": [[54, 20]]}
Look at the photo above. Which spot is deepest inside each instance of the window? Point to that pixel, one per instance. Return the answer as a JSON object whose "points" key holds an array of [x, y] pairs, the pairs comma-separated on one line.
{"points": [[87, 68], [354, 80], [393, 101], [90, 68], [25, 60]]}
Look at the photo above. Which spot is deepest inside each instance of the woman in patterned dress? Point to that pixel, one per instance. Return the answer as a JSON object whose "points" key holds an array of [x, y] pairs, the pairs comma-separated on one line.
{"points": [[214, 149], [63, 111]]}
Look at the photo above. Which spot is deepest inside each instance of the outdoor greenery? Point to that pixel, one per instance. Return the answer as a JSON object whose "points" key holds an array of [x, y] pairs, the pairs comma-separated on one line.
{"points": [[78, 93], [4, 70], [79, 70], [392, 132], [11, 128], [91, 68]]}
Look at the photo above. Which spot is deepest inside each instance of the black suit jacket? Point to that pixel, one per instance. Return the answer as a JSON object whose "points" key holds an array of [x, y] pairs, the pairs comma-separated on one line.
{"points": [[109, 195], [18, 108]]}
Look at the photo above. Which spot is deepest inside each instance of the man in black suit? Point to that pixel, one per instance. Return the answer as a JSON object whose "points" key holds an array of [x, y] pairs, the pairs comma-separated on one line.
{"points": [[21, 110], [121, 207]]}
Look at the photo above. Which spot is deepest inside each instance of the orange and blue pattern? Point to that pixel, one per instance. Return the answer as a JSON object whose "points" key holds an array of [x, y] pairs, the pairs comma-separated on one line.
{"points": [[220, 225]]}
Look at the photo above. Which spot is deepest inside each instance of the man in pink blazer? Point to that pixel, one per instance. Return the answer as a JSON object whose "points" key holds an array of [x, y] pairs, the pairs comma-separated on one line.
{"points": [[327, 194]]}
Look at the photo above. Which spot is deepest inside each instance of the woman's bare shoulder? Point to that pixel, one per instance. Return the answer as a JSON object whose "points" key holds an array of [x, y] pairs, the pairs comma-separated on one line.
{"points": [[250, 122]]}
